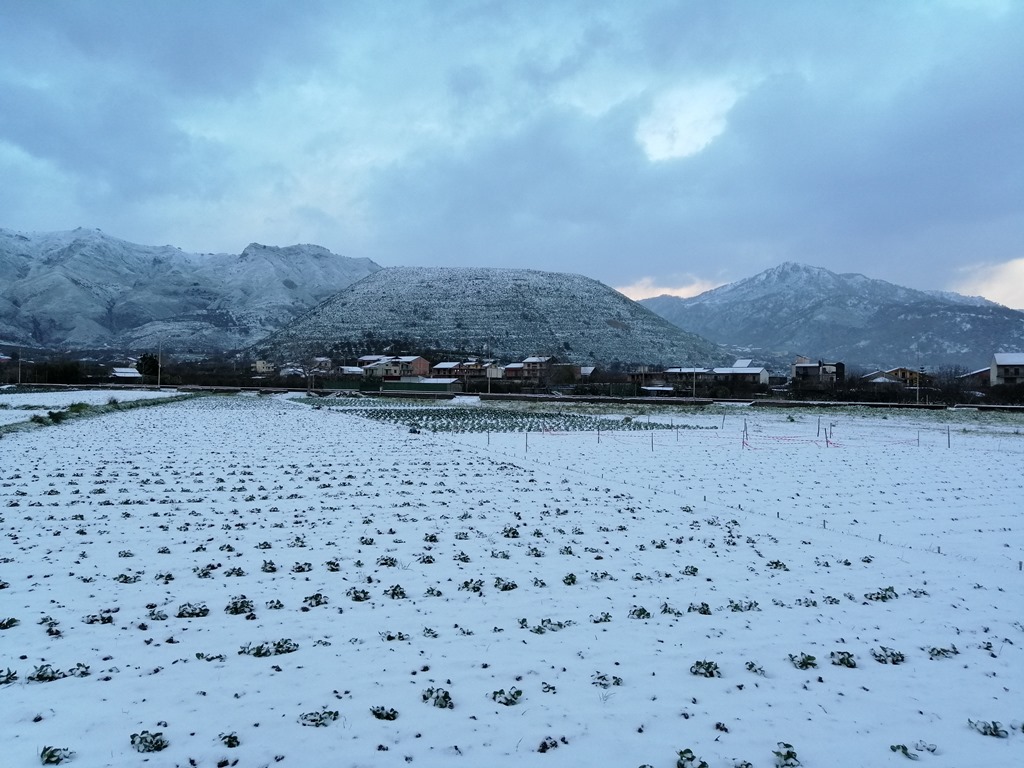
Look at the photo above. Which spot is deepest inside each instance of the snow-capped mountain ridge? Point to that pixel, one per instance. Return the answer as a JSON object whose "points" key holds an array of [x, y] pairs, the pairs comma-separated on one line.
{"points": [[798, 309], [85, 289]]}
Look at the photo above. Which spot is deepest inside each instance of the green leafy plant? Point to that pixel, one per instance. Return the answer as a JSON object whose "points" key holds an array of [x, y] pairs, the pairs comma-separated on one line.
{"points": [[885, 655], [239, 605], [320, 719], [439, 698], [705, 668], [9, 623], [315, 600], [275, 648], [942, 653], [843, 659], [509, 699], [803, 661], [785, 756], [687, 759], [55, 755], [903, 750], [989, 728], [384, 714], [882, 595], [605, 681], [192, 611], [149, 742], [743, 605], [230, 740], [45, 673]]}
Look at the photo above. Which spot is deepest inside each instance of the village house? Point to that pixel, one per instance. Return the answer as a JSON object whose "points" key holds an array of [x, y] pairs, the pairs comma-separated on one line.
{"points": [[909, 377], [818, 376], [880, 381], [741, 374], [514, 371], [383, 367], [538, 368], [1007, 368], [975, 380]]}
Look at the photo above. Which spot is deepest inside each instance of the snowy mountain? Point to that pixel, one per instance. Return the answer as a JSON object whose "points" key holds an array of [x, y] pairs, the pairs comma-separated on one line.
{"points": [[508, 313], [83, 289], [796, 309]]}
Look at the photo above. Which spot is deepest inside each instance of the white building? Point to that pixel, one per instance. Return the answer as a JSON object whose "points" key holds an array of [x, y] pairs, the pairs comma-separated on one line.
{"points": [[1007, 368]]}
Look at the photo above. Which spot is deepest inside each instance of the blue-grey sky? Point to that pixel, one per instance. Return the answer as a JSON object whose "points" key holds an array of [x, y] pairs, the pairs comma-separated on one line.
{"points": [[655, 145]]}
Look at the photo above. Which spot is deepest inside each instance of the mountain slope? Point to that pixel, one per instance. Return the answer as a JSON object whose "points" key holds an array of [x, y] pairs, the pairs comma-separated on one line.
{"points": [[795, 309], [83, 289], [508, 313]]}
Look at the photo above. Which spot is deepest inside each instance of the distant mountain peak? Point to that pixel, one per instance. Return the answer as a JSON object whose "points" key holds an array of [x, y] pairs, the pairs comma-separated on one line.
{"points": [[793, 308], [509, 313], [84, 289]]}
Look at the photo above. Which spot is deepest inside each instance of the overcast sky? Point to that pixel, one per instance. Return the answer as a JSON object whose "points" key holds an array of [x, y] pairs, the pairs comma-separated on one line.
{"points": [[655, 146]]}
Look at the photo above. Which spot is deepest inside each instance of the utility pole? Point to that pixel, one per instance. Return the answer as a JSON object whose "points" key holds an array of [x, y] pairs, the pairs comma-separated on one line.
{"points": [[159, 361]]}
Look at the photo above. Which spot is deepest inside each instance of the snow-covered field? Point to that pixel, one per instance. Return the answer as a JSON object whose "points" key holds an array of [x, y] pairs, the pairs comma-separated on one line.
{"points": [[580, 598], [16, 406]]}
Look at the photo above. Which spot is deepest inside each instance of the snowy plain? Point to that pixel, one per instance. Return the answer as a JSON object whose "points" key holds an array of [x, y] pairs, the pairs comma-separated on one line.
{"points": [[16, 406], [581, 597]]}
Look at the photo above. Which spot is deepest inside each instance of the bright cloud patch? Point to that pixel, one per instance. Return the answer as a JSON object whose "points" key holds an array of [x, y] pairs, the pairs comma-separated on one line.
{"points": [[999, 282], [646, 287], [684, 121]]}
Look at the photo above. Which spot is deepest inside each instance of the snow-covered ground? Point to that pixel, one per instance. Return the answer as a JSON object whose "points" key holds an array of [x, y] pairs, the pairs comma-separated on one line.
{"points": [[581, 598], [16, 407]]}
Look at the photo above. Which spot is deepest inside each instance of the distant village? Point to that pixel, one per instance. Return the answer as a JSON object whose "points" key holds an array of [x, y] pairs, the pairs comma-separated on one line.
{"points": [[1002, 381], [412, 373]]}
